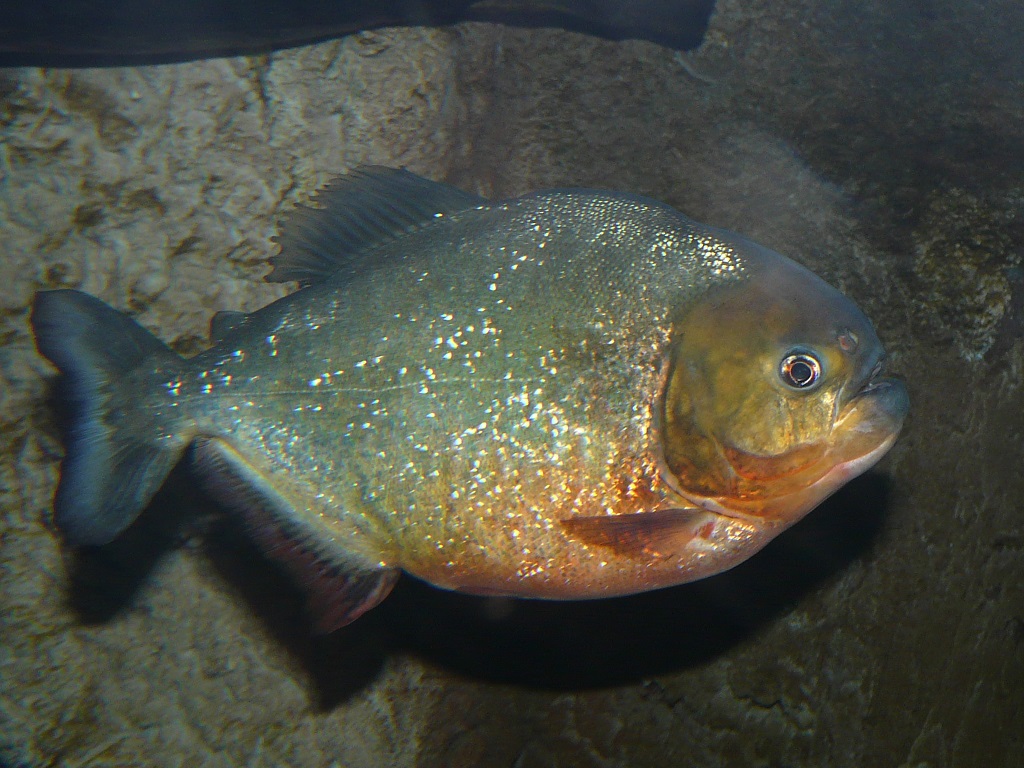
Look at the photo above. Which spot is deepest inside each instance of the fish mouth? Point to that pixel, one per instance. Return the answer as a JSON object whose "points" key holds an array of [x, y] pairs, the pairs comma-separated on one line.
{"points": [[876, 384], [865, 425], [874, 376], [865, 428], [881, 402], [878, 405]]}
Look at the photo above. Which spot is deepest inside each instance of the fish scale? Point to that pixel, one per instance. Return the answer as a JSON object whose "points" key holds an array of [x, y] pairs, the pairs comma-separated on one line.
{"points": [[483, 394]]}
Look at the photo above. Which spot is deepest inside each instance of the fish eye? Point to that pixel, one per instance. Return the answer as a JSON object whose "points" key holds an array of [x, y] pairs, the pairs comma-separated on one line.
{"points": [[800, 370]]}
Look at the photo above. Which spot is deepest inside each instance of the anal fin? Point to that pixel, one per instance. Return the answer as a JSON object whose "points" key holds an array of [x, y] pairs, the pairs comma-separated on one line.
{"points": [[658, 533], [342, 586]]}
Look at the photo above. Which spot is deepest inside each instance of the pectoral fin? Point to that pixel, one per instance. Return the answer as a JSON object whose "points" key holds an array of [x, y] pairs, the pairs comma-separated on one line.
{"points": [[659, 533], [342, 585]]}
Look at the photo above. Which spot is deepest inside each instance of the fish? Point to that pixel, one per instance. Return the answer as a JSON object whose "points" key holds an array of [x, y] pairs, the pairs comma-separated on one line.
{"points": [[566, 395], [84, 33]]}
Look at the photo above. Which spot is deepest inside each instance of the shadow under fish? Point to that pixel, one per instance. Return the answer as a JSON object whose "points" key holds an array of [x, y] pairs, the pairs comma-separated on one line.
{"points": [[534, 643], [78, 33]]}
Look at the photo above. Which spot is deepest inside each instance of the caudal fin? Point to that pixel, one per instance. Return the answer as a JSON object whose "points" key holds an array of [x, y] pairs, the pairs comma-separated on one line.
{"points": [[114, 458]]}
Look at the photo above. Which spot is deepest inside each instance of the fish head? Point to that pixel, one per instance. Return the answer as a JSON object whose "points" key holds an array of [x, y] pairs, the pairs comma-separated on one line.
{"points": [[773, 395]]}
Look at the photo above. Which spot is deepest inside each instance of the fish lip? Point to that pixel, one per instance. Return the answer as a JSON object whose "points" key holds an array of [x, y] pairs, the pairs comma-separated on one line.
{"points": [[873, 384], [879, 383], [876, 371], [873, 379], [880, 404], [879, 386]]}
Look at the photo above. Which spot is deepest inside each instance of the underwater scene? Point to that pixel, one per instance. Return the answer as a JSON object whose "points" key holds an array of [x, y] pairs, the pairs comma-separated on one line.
{"points": [[512, 384]]}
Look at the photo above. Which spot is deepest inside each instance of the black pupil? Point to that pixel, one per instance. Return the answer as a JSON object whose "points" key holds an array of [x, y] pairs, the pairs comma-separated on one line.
{"points": [[801, 373]]}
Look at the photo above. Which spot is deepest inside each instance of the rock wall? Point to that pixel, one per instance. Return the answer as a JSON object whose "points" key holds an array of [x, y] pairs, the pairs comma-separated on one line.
{"points": [[882, 147]]}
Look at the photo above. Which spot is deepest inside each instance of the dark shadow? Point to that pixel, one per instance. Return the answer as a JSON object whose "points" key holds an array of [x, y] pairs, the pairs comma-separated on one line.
{"points": [[86, 33], [574, 645], [549, 645], [339, 664], [104, 579], [11, 757]]}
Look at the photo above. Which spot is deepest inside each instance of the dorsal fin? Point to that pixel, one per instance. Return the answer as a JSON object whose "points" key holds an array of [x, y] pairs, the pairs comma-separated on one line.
{"points": [[224, 322], [368, 206]]}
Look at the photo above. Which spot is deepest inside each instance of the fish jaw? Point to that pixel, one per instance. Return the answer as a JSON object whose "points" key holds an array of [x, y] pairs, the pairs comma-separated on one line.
{"points": [[865, 430], [875, 415]]}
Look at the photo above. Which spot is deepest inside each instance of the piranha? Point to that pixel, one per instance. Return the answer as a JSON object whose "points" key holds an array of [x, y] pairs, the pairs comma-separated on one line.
{"points": [[570, 394]]}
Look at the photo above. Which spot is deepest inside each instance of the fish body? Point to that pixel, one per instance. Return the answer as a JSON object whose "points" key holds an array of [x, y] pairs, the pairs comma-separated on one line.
{"points": [[571, 394], [85, 33]]}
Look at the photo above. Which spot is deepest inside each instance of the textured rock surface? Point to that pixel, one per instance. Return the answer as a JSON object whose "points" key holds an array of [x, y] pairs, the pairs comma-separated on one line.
{"points": [[882, 148]]}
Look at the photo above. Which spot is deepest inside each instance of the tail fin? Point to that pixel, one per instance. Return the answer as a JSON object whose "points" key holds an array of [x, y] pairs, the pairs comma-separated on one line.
{"points": [[115, 461]]}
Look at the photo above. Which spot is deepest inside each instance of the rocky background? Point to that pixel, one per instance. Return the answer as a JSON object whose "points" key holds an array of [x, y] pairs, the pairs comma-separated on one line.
{"points": [[881, 144]]}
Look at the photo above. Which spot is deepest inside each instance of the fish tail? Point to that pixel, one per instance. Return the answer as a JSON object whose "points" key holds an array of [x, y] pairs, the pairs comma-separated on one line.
{"points": [[117, 453]]}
